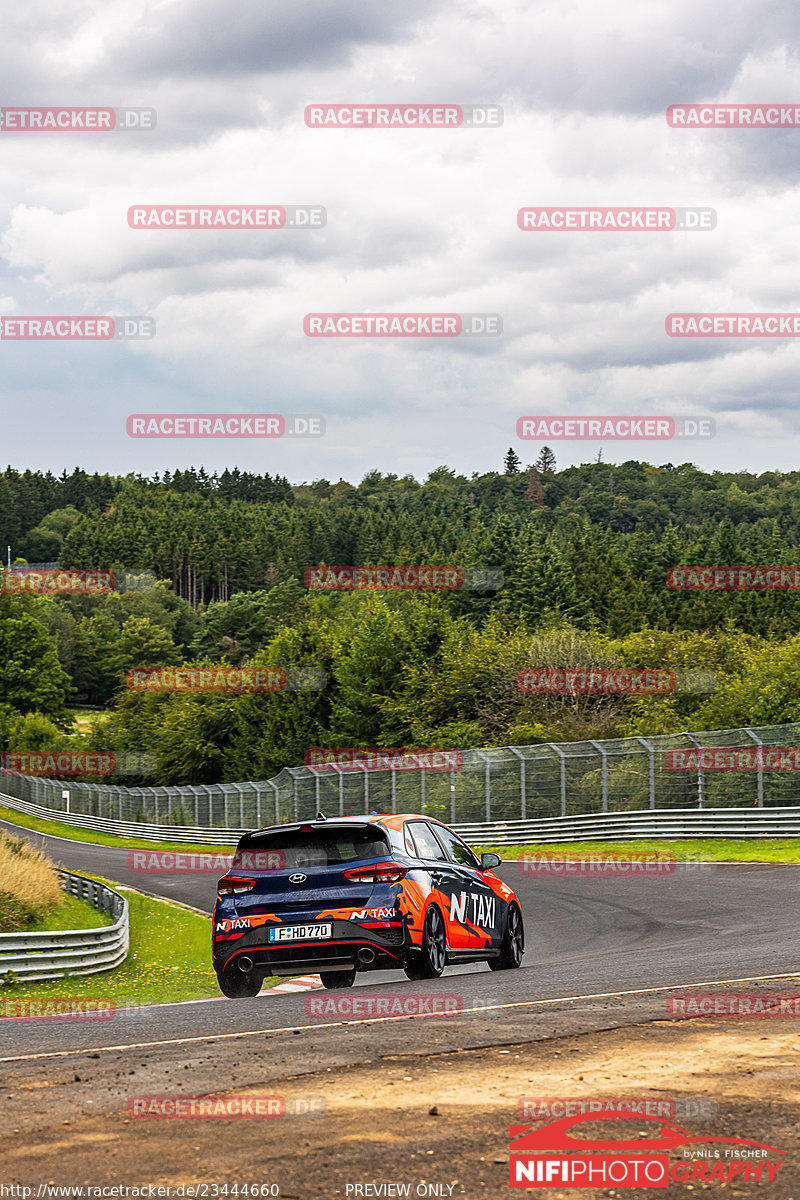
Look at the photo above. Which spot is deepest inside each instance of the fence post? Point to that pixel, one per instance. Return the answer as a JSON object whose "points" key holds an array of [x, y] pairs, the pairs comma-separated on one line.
{"points": [[452, 795], [759, 743], [604, 756], [422, 790], [563, 758], [487, 782], [651, 754], [523, 798], [276, 790], [394, 791], [701, 775], [341, 789]]}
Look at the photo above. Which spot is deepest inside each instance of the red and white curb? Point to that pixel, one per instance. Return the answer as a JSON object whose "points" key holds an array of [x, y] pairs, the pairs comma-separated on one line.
{"points": [[303, 983]]}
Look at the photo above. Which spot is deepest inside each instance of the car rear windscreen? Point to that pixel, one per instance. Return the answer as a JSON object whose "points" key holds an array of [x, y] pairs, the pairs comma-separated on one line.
{"points": [[320, 847]]}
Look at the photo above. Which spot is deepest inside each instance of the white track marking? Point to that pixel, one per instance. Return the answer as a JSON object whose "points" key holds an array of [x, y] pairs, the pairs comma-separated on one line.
{"points": [[223, 1037]]}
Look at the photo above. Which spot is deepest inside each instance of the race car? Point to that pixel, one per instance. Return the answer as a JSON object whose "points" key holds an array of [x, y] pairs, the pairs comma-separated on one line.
{"points": [[345, 894]]}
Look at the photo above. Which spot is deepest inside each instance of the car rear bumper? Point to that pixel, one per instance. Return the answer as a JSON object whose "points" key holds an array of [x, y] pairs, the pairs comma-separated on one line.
{"points": [[350, 946]]}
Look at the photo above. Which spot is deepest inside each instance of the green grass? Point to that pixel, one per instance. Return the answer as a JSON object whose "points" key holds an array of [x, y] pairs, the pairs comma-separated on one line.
{"points": [[768, 850], [169, 959], [72, 913], [77, 834]]}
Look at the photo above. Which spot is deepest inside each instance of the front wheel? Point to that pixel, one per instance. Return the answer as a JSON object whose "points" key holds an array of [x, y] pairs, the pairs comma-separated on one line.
{"points": [[237, 985], [513, 946], [428, 963], [338, 979]]}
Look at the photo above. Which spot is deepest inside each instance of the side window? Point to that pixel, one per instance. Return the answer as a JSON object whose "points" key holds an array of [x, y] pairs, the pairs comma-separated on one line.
{"points": [[411, 849], [457, 850], [426, 843]]}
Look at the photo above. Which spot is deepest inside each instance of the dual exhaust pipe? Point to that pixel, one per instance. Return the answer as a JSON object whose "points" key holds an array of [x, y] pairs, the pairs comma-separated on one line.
{"points": [[366, 956]]}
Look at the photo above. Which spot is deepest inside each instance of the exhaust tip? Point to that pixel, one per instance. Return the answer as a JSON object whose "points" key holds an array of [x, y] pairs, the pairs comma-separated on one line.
{"points": [[365, 955], [245, 964]]}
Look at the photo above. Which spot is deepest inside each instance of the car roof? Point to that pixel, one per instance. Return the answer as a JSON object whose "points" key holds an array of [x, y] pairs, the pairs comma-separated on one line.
{"points": [[390, 820]]}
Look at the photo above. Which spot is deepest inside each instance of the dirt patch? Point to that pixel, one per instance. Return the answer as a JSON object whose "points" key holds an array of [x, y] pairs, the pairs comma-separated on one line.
{"points": [[438, 1124]]}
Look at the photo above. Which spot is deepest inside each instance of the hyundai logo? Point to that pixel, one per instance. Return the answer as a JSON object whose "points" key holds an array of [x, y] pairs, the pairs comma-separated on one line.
{"points": [[298, 878]]}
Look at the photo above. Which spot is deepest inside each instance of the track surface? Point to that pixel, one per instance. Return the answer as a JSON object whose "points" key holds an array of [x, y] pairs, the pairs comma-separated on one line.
{"points": [[586, 936]]}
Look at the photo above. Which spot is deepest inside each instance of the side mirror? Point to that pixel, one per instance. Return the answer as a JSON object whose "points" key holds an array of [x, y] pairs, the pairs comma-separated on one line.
{"points": [[490, 860]]}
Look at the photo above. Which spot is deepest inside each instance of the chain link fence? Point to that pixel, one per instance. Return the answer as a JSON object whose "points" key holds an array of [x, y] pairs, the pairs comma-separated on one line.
{"points": [[501, 784]]}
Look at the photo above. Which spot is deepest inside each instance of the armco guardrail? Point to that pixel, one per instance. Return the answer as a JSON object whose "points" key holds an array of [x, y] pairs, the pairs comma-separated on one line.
{"points": [[506, 783], [55, 953], [626, 826]]}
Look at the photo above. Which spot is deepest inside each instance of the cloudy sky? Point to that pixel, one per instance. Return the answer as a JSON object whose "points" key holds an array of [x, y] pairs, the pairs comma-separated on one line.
{"points": [[417, 221]]}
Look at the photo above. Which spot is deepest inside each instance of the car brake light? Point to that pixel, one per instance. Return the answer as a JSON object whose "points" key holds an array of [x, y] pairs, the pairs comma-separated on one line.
{"points": [[385, 872], [234, 885]]}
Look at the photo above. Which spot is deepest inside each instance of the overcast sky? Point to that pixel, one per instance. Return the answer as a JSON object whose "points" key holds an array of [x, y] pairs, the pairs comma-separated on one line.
{"points": [[417, 221]]}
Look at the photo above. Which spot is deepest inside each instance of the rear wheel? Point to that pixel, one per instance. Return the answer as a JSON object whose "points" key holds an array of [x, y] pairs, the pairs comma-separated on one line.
{"points": [[513, 946], [428, 963], [236, 984], [338, 979]]}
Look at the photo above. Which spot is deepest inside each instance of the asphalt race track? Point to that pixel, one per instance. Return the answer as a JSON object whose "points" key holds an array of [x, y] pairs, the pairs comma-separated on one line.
{"points": [[588, 938]]}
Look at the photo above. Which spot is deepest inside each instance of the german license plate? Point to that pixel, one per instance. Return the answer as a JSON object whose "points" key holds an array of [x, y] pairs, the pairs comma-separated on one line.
{"points": [[299, 933]]}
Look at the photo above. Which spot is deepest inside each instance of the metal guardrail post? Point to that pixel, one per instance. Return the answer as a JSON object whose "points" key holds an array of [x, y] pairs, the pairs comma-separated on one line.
{"points": [[701, 775], [651, 755], [604, 756], [760, 781], [522, 796]]}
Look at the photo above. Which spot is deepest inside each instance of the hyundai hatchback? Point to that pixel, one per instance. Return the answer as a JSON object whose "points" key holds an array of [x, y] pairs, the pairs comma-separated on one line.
{"points": [[347, 894]]}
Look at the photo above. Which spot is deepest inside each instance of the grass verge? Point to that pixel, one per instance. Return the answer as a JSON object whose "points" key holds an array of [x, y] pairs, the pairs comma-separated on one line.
{"points": [[169, 960], [763, 850], [76, 834]]}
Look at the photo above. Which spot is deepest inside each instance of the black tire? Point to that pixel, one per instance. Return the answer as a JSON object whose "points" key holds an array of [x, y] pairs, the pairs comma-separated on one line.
{"points": [[429, 962], [513, 946], [237, 985], [338, 979]]}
